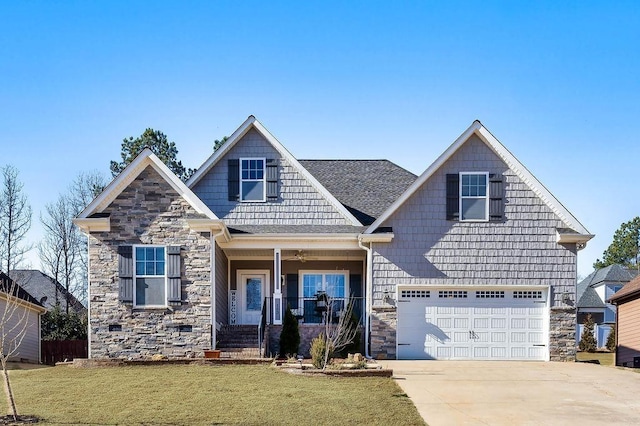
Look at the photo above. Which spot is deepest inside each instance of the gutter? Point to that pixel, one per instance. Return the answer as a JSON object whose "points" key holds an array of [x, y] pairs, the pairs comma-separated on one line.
{"points": [[212, 296], [368, 294]]}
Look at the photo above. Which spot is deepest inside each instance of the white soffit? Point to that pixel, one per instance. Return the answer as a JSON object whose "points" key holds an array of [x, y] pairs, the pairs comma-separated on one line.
{"points": [[510, 160], [252, 122], [131, 172]]}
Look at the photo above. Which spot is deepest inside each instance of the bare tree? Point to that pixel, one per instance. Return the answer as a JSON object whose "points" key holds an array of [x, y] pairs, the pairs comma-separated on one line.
{"points": [[339, 329], [63, 249], [15, 219], [14, 323], [82, 191], [59, 250]]}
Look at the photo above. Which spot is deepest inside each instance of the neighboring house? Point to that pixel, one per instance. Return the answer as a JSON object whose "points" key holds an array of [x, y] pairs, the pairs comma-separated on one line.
{"points": [[627, 301], [593, 293], [474, 259], [19, 321], [47, 290]]}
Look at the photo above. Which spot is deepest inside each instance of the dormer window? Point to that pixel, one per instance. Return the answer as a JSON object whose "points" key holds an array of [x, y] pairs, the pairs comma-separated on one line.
{"points": [[252, 179]]}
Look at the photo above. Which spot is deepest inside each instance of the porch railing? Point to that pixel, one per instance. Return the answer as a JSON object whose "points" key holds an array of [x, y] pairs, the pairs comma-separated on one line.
{"points": [[310, 311], [262, 326]]}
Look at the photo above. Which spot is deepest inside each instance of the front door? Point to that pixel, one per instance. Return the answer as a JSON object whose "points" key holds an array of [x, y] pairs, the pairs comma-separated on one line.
{"points": [[252, 289]]}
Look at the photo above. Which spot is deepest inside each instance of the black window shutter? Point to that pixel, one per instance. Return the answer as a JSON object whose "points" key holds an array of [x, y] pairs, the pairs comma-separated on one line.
{"points": [[272, 179], [234, 179], [173, 275], [496, 198], [292, 290], [125, 274], [453, 195]]}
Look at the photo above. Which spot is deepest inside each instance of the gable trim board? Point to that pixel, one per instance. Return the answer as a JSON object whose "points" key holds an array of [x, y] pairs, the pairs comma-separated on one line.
{"points": [[144, 159], [512, 162], [252, 122]]}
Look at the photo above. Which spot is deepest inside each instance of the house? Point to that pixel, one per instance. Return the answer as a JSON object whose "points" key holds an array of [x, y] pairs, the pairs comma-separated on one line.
{"points": [[473, 259], [48, 291], [593, 293], [627, 302], [19, 322]]}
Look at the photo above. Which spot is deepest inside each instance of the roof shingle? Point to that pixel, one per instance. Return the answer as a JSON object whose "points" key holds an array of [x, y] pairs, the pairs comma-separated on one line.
{"points": [[365, 187]]}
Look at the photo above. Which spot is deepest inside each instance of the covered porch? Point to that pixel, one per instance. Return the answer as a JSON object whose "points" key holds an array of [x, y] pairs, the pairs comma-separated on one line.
{"points": [[254, 287]]}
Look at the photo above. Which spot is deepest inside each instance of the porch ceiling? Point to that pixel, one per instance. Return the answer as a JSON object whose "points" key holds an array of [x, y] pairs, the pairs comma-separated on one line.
{"points": [[291, 255]]}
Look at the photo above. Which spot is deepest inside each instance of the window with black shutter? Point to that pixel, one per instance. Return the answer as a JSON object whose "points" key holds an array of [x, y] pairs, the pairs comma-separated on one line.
{"points": [[474, 196], [149, 275]]}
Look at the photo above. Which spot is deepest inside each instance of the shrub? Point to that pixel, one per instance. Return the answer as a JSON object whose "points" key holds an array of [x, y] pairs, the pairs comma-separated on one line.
{"points": [[58, 325], [611, 339], [318, 351], [588, 341], [290, 335]]}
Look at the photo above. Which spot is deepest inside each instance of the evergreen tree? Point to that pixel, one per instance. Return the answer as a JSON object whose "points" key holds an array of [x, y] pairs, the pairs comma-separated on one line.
{"points": [[611, 339], [159, 144], [290, 334], [624, 248], [588, 341]]}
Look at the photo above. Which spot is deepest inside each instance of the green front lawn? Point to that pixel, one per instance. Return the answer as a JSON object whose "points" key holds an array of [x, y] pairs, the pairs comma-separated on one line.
{"points": [[203, 394], [605, 358]]}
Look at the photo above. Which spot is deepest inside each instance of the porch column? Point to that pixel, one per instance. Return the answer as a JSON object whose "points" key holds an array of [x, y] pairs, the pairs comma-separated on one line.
{"points": [[277, 288]]}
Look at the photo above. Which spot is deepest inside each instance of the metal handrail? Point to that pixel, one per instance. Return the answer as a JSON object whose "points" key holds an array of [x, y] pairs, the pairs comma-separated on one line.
{"points": [[261, 327]]}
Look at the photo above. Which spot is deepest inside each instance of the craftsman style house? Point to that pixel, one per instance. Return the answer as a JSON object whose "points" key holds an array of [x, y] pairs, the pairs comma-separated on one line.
{"points": [[474, 259]]}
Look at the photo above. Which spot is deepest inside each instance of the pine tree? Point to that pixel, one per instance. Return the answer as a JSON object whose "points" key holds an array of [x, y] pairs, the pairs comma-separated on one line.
{"points": [[588, 341], [290, 335], [611, 339]]}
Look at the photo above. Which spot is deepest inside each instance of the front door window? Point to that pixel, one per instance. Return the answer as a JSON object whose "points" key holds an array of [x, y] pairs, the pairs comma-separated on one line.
{"points": [[252, 288]]}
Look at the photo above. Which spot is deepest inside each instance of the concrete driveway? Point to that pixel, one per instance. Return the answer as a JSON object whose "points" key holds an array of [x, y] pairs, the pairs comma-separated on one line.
{"points": [[519, 393]]}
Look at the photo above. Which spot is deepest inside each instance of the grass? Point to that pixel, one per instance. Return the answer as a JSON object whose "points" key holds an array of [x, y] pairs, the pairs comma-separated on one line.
{"points": [[201, 394], [605, 358]]}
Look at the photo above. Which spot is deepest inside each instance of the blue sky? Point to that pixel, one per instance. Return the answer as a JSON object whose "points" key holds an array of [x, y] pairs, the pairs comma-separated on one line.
{"points": [[556, 82]]}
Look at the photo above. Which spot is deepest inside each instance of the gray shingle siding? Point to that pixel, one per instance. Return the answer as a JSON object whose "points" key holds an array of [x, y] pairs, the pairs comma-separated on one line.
{"points": [[521, 250], [221, 286], [299, 202]]}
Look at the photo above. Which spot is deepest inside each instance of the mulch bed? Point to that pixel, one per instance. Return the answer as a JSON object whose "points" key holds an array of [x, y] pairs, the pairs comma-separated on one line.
{"points": [[22, 420]]}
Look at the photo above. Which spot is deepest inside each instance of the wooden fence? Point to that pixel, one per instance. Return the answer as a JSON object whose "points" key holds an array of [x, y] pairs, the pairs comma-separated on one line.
{"points": [[53, 351]]}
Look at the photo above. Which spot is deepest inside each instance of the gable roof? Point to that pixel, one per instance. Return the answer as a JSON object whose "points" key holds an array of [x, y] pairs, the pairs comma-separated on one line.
{"points": [[7, 285], [252, 123], [510, 160], [612, 274], [43, 288], [144, 159], [365, 187]]}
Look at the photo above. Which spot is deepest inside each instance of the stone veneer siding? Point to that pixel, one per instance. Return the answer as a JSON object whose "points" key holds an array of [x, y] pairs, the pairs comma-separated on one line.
{"points": [[149, 211], [520, 250], [308, 332], [562, 334], [384, 322]]}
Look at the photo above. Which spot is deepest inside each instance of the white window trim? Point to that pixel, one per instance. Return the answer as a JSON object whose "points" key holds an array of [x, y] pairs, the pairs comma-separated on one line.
{"points": [[486, 197], [263, 180], [136, 276]]}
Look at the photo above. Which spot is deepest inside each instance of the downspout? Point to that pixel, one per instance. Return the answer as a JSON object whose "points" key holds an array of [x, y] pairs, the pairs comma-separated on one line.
{"points": [[88, 234], [368, 295], [212, 296]]}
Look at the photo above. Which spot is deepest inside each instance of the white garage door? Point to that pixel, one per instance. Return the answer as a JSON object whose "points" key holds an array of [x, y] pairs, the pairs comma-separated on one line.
{"points": [[504, 324]]}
